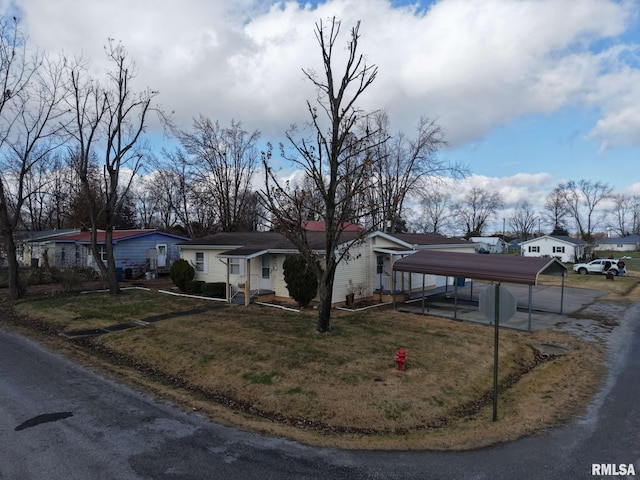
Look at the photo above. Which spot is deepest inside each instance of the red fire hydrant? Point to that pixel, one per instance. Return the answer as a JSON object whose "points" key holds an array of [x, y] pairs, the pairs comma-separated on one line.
{"points": [[401, 359]]}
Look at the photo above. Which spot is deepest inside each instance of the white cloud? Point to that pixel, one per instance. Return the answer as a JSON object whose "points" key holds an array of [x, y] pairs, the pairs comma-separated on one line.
{"points": [[473, 64]]}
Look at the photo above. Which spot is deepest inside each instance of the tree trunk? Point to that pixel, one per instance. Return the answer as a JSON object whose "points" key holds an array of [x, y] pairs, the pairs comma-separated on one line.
{"points": [[112, 275], [326, 298], [14, 269], [6, 233]]}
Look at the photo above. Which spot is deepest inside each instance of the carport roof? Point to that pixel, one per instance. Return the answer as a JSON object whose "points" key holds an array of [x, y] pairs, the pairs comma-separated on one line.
{"points": [[492, 267]]}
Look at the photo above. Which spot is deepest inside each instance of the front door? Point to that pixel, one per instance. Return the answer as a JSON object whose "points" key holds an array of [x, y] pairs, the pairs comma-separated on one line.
{"points": [[265, 273], [162, 255]]}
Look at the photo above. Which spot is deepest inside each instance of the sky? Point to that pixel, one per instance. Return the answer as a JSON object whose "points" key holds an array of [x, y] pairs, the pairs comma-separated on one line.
{"points": [[530, 93]]}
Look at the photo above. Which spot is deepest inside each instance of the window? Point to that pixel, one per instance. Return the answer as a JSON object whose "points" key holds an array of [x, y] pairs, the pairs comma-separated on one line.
{"points": [[558, 249], [534, 248], [103, 253], [266, 267], [234, 266], [200, 262]]}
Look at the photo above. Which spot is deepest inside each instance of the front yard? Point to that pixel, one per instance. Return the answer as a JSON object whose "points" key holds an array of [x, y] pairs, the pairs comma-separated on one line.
{"points": [[268, 370]]}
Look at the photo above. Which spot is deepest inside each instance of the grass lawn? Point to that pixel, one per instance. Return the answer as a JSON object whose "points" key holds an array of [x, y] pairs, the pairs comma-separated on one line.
{"points": [[268, 370]]}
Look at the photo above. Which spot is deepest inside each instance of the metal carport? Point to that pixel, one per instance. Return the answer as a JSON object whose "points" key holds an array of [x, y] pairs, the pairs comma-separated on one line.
{"points": [[494, 268]]}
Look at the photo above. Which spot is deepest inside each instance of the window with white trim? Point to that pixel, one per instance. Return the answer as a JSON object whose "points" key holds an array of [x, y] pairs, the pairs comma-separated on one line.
{"points": [[558, 249], [200, 264], [534, 248], [234, 266]]}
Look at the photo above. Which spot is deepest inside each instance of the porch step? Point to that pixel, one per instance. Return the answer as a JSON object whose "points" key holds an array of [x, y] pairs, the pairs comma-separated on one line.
{"points": [[238, 298]]}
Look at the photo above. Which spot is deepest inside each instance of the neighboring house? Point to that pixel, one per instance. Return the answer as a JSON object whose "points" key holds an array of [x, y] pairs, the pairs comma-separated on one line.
{"points": [[630, 243], [251, 263], [135, 251], [514, 245], [29, 245], [567, 249], [490, 244]]}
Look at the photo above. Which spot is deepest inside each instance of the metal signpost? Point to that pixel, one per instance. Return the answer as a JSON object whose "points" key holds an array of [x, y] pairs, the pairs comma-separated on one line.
{"points": [[496, 304]]}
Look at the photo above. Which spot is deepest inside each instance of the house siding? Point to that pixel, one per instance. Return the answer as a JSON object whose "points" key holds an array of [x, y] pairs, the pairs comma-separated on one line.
{"points": [[354, 274], [546, 247], [215, 270], [133, 252]]}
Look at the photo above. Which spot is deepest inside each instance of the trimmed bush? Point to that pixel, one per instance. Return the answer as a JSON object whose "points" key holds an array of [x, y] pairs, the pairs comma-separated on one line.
{"points": [[215, 290], [181, 273], [194, 287], [300, 278]]}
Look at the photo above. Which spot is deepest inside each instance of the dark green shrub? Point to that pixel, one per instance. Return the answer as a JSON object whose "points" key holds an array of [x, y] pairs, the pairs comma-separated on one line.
{"points": [[215, 290], [194, 287], [300, 278], [181, 273]]}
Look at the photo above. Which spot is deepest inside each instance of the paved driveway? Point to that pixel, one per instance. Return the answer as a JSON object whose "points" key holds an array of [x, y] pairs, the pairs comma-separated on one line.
{"points": [[545, 304]]}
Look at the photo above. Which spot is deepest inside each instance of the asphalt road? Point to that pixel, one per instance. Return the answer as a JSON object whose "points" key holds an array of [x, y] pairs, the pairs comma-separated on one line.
{"points": [[61, 421]]}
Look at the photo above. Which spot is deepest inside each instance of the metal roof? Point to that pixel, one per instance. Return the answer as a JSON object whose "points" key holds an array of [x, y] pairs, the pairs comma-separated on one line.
{"points": [[492, 267]]}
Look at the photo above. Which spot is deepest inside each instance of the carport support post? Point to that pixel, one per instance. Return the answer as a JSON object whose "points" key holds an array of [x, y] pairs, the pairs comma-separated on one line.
{"points": [[562, 295], [423, 294], [455, 299], [247, 284], [228, 283], [393, 290], [530, 295], [495, 352]]}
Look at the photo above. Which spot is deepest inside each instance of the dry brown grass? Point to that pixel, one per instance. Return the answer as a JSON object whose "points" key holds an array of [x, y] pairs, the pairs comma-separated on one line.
{"points": [[269, 371]]}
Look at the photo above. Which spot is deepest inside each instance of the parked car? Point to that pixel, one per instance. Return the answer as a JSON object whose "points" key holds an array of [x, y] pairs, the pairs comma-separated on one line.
{"points": [[601, 265]]}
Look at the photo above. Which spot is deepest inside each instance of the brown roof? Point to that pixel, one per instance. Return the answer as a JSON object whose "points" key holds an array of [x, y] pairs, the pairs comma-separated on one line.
{"points": [[498, 268], [257, 241]]}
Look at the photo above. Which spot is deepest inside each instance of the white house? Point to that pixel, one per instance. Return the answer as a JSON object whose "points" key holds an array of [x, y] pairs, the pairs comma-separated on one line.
{"points": [[251, 263], [490, 244], [630, 243], [566, 249]]}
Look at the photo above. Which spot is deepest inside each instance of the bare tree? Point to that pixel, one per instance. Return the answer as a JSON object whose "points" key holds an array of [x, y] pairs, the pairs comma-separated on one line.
{"points": [[334, 160], [621, 214], [226, 160], [581, 200], [478, 208], [556, 211], [635, 214], [32, 91], [109, 119], [401, 166], [436, 211], [523, 220], [180, 190]]}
